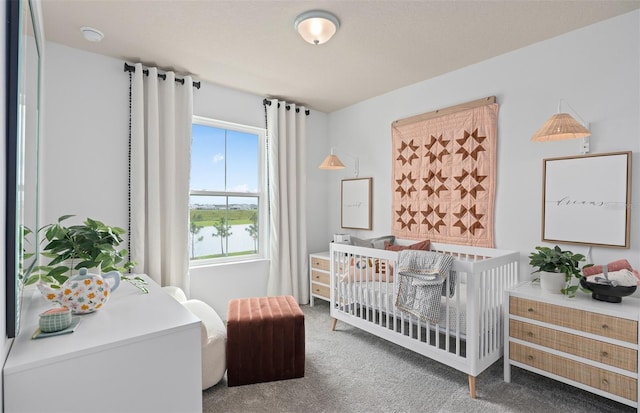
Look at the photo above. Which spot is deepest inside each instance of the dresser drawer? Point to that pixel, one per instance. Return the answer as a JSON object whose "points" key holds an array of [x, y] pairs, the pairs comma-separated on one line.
{"points": [[320, 263], [606, 353], [321, 277], [614, 383], [594, 323], [321, 290]]}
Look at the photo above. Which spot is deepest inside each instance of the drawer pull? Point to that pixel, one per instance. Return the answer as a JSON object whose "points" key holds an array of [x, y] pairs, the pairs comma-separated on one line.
{"points": [[531, 310], [605, 382], [530, 357], [605, 354], [530, 333], [605, 327]]}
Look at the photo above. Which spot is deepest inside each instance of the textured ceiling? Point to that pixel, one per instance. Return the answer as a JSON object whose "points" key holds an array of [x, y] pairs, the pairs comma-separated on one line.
{"points": [[380, 46]]}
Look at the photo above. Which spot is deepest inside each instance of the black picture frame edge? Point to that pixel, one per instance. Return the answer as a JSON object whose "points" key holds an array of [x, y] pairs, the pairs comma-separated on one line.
{"points": [[11, 138]]}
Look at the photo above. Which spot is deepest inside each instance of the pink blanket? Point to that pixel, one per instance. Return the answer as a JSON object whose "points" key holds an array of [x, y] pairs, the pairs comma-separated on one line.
{"points": [[612, 266], [597, 270]]}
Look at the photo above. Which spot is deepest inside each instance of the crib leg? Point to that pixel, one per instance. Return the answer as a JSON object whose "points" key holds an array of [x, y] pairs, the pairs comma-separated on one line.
{"points": [[472, 386], [333, 324]]}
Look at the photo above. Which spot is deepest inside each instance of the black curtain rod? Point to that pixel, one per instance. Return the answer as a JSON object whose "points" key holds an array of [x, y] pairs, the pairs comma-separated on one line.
{"points": [[288, 107], [131, 68]]}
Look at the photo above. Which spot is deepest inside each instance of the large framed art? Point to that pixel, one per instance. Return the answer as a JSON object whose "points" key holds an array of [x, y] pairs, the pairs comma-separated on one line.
{"points": [[587, 199], [356, 203]]}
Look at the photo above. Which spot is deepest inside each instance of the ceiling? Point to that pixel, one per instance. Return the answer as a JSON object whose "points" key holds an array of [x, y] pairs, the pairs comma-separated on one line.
{"points": [[251, 45]]}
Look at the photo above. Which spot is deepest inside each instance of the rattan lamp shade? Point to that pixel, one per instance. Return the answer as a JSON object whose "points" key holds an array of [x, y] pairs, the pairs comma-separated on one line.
{"points": [[331, 162], [559, 127]]}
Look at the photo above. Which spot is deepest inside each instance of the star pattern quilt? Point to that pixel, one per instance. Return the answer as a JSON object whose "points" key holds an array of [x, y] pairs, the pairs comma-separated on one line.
{"points": [[444, 177]]}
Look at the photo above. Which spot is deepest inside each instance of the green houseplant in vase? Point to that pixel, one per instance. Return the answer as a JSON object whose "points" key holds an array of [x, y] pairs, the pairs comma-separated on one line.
{"points": [[92, 245], [557, 269]]}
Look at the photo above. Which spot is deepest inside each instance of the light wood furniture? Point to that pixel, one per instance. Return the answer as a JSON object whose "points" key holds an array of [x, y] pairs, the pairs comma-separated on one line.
{"points": [[139, 353], [580, 341], [319, 267]]}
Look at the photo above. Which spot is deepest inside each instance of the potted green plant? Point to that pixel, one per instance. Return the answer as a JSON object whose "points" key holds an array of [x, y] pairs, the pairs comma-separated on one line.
{"points": [[91, 245], [557, 269]]}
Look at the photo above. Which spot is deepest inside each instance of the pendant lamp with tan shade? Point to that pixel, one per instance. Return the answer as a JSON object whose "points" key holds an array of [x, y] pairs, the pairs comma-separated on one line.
{"points": [[561, 126]]}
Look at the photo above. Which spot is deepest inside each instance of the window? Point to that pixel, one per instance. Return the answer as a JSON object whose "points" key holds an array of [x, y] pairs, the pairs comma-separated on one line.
{"points": [[227, 202]]}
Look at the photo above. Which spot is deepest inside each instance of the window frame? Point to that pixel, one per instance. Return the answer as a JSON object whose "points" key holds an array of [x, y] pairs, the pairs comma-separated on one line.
{"points": [[261, 194]]}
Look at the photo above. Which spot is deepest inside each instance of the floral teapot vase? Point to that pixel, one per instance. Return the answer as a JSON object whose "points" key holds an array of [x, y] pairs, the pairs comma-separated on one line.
{"points": [[83, 293]]}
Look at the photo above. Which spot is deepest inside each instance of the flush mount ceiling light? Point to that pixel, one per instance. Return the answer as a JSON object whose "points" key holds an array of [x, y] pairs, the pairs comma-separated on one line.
{"points": [[317, 26], [91, 34]]}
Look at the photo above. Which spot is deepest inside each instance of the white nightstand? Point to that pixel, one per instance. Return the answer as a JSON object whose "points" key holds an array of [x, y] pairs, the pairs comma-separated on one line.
{"points": [[319, 272]]}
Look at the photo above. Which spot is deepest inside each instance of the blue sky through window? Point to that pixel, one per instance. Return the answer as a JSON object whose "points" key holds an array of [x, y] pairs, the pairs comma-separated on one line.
{"points": [[223, 160]]}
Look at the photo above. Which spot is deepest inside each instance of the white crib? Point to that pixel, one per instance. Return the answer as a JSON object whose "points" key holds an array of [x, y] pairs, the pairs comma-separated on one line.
{"points": [[469, 335]]}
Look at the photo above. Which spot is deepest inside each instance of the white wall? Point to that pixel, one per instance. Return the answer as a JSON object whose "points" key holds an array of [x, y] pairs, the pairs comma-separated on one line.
{"points": [[218, 284], [596, 69], [85, 143], [84, 155]]}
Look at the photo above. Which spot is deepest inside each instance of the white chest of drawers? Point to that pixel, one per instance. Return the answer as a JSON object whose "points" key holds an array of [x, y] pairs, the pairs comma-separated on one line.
{"points": [[579, 341], [140, 353]]}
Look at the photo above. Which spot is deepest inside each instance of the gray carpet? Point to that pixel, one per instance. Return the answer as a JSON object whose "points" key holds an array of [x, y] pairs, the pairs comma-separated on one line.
{"points": [[349, 370]]}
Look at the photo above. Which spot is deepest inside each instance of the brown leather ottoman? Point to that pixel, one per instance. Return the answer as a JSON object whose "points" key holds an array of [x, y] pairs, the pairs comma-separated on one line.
{"points": [[265, 340]]}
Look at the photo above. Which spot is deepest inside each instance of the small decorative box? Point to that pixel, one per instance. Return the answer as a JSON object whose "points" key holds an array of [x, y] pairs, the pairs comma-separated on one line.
{"points": [[55, 319]]}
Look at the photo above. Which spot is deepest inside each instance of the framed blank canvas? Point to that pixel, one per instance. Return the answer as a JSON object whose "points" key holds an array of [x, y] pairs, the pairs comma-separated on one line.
{"points": [[356, 203], [587, 199]]}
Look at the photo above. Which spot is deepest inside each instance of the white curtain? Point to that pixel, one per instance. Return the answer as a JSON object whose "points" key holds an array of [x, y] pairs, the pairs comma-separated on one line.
{"points": [[161, 115], [288, 273]]}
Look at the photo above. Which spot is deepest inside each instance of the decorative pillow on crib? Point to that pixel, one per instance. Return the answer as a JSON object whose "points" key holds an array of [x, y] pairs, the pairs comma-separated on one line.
{"points": [[422, 245], [368, 269], [378, 243]]}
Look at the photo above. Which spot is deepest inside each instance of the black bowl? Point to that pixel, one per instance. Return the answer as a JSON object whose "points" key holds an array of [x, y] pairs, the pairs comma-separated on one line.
{"points": [[608, 293]]}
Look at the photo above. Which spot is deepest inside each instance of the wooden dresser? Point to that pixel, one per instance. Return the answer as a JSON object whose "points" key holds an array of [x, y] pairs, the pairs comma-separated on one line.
{"points": [[580, 341], [319, 268]]}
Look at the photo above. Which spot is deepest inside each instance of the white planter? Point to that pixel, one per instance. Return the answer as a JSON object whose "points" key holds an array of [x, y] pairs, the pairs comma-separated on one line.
{"points": [[552, 282]]}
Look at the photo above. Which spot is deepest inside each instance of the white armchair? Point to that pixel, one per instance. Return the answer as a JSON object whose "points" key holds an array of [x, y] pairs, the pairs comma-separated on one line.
{"points": [[214, 337]]}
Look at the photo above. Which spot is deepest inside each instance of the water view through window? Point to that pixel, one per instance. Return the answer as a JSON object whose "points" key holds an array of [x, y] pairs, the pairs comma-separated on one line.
{"points": [[225, 193]]}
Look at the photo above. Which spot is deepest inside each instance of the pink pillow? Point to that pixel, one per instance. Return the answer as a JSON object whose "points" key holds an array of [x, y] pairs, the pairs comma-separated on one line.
{"points": [[422, 245], [367, 269]]}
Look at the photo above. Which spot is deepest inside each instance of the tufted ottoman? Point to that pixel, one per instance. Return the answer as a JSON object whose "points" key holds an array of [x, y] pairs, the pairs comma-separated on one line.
{"points": [[265, 340]]}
